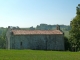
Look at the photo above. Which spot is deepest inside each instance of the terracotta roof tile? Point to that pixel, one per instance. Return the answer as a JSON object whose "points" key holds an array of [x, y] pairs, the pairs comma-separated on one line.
{"points": [[28, 32]]}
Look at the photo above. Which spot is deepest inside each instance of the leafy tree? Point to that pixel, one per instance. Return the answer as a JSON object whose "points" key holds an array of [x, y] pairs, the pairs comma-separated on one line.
{"points": [[3, 38], [75, 30], [67, 44]]}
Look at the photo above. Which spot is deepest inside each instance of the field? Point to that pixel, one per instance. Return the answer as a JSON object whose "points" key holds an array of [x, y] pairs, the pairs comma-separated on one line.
{"points": [[66, 33], [38, 55]]}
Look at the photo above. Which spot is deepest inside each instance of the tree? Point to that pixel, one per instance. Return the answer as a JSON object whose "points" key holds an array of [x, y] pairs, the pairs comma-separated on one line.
{"points": [[75, 30], [3, 38], [66, 42]]}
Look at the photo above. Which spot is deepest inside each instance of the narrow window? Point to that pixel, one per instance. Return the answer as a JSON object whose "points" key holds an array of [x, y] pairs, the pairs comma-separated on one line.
{"points": [[21, 43]]}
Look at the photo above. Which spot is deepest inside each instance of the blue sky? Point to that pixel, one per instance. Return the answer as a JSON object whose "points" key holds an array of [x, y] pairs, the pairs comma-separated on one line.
{"points": [[27, 13]]}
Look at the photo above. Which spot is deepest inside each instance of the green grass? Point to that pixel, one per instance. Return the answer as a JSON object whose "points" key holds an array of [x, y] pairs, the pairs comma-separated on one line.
{"points": [[66, 33], [38, 55]]}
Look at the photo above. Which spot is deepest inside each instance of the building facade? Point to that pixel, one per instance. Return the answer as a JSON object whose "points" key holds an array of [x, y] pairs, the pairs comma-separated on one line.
{"points": [[35, 39]]}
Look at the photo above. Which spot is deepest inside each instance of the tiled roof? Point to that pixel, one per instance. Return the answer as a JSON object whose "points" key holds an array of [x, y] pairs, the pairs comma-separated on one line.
{"points": [[32, 32]]}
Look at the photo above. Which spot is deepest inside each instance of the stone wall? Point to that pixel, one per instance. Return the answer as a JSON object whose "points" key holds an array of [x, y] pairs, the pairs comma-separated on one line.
{"points": [[49, 42], [8, 35]]}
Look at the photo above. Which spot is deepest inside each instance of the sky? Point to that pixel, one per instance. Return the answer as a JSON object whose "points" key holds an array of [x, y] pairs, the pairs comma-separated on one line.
{"points": [[27, 13]]}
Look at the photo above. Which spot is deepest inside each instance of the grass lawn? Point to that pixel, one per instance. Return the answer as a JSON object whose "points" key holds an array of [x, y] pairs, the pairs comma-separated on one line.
{"points": [[38, 55]]}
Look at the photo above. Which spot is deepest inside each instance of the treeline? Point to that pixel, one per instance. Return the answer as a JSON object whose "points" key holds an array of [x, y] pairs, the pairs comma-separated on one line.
{"points": [[3, 37], [49, 27]]}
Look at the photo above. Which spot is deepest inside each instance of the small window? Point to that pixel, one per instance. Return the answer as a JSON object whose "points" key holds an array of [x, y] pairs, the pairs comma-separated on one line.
{"points": [[21, 43]]}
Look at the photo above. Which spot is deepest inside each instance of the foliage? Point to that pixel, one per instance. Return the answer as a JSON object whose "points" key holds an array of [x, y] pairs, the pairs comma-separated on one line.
{"points": [[75, 30], [48, 27], [67, 43], [3, 38], [52, 27]]}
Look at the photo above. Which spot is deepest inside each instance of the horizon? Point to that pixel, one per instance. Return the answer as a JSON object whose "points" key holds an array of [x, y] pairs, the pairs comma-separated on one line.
{"points": [[27, 13], [33, 26]]}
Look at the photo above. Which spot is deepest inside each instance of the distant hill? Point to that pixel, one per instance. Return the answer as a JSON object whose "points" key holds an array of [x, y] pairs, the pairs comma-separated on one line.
{"points": [[52, 27]]}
